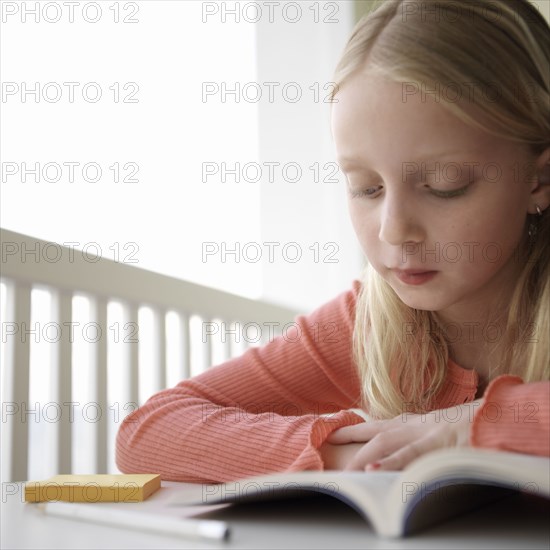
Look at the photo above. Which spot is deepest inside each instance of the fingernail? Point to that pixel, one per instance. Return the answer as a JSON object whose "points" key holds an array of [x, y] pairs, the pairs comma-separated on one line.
{"points": [[373, 466]]}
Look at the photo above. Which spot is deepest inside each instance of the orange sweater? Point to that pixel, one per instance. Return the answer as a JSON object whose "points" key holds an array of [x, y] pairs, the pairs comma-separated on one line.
{"points": [[261, 412]]}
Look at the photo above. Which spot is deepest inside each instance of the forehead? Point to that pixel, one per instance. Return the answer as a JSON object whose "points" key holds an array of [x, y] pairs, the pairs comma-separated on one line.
{"points": [[378, 115]]}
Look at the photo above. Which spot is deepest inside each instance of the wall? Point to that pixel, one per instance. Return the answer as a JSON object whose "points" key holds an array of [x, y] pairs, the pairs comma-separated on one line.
{"points": [[307, 211]]}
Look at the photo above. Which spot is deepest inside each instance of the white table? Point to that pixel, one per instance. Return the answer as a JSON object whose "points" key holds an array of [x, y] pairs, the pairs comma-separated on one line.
{"points": [[318, 523]]}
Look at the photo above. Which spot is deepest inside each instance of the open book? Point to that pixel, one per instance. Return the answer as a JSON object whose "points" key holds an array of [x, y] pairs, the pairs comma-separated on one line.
{"points": [[435, 487]]}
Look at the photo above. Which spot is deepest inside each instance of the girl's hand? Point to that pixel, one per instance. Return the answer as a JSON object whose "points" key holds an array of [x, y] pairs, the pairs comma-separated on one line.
{"points": [[392, 444]]}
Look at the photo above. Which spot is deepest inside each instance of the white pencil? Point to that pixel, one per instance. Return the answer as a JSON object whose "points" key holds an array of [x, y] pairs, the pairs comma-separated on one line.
{"points": [[184, 527]]}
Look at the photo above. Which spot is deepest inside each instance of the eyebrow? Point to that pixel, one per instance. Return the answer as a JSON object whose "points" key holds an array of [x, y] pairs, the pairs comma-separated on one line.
{"points": [[351, 162]]}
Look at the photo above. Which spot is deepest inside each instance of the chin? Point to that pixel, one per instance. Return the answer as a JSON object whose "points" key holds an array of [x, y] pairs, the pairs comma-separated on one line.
{"points": [[421, 301]]}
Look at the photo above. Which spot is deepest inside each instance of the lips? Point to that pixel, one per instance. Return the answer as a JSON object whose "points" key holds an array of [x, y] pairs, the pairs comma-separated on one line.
{"points": [[412, 271], [414, 276]]}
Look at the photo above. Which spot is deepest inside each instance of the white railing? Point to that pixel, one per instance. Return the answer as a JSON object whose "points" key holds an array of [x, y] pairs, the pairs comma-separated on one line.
{"points": [[29, 263]]}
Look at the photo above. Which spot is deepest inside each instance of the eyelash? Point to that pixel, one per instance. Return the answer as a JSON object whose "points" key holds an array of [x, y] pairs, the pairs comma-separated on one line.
{"points": [[438, 194], [450, 194]]}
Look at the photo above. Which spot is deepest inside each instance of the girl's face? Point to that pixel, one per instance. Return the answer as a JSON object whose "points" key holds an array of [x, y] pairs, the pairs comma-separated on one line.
{"points": [[428, 192]]}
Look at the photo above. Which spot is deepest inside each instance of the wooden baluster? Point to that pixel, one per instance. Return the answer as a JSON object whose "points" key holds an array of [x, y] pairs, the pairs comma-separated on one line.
{"points": [[99, 369], [159, 346], [62, 313], [130, 339], [206, 347], [229, 337], [16, 383], [184, 344]]}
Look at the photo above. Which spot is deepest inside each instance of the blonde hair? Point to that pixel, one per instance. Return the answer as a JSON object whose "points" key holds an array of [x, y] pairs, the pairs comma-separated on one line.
{"points": [[485, 43]]}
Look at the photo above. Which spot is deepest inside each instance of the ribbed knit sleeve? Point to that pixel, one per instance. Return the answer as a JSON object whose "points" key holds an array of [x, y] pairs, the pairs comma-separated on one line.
{"points": [[259, 413], [271, 409], [514, 417]]}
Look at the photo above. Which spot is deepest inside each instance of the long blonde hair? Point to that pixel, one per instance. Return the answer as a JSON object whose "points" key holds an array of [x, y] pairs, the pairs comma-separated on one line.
{"points": [[488, 44]]}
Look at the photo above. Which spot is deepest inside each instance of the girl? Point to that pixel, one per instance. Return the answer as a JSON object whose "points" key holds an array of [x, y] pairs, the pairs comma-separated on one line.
{"points": [[441, 120]]}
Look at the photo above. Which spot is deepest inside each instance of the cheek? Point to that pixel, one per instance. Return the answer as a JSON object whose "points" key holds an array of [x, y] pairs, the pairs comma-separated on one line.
{"points": [[501, 229], [362, 222], [482, 244], [366, 229], [505, 213]]}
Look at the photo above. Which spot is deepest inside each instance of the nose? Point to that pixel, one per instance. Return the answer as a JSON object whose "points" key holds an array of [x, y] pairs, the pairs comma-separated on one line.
{"points": [[399, 221]]}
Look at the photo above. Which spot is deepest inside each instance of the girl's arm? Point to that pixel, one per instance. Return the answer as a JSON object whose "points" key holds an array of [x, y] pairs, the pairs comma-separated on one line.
{"points": [[255, 414], [514, 417], [511, 416]]}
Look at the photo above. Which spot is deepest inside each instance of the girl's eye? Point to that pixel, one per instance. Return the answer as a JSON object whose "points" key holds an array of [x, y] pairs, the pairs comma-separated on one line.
{"points": [[372, 192], [449, 194], [363, 193]]}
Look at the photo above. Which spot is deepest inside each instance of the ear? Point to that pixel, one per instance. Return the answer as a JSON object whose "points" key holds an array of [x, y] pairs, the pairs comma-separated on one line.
{"points": [[540, 192]]}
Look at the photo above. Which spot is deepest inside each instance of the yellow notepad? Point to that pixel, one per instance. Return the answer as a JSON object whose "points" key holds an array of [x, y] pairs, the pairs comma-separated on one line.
{"points": [[93, 488]]}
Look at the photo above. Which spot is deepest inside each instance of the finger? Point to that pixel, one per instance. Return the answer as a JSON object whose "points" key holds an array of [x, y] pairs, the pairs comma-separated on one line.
{"points": [[407, 454], [359, 433], [379, 447]]}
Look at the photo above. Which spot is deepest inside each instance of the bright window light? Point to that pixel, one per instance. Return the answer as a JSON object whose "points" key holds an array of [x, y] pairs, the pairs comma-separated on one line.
{"points": [[129, 176]]}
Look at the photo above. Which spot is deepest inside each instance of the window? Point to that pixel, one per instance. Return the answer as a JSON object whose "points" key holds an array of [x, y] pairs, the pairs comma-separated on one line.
{"points": [[114, 135], [136, 132]]}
